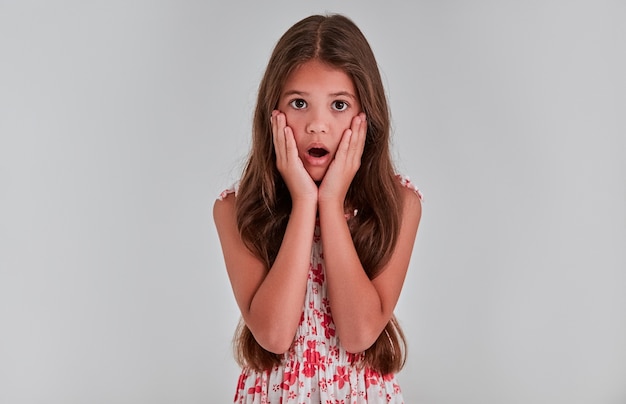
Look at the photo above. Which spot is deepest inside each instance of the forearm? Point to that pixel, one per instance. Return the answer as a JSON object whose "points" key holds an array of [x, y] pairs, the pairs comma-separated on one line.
{"points": [[276, 307], [357, 308]]}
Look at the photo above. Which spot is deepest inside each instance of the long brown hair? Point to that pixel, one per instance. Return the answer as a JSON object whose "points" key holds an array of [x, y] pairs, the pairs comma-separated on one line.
{"points": [[263, 202]]}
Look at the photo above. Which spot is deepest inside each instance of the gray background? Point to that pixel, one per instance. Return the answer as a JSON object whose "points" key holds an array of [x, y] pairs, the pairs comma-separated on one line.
{"points": [[120, 122]]}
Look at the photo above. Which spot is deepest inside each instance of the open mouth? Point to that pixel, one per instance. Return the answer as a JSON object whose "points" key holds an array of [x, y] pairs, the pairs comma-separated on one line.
{"points": [[317, 152]]}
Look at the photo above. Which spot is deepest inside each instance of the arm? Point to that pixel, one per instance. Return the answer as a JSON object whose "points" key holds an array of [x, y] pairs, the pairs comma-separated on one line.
{"points": [[361, 307], [270, 301]]}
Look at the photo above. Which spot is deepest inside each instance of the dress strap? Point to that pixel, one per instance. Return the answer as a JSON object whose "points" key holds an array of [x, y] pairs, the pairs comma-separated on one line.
{"points": [[230, 190], [406, 182]]}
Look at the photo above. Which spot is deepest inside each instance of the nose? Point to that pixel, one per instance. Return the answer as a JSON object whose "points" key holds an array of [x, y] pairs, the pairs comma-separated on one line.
{"points": [[317, 122]]}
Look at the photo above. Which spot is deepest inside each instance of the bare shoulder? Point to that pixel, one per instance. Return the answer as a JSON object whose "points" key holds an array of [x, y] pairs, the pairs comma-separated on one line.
{"points": [[412, 203], [236, 253], [224, 210]]}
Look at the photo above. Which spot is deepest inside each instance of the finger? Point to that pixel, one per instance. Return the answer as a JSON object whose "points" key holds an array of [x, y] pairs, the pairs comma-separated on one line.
{"points": [[344, 145], [273, 122], [275, 136], [278, 126], [357, 142], [291, 149], [360, 138]]}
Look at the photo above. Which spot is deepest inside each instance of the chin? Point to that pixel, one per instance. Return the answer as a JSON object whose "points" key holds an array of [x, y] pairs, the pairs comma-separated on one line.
{"points": [[317, 176]]}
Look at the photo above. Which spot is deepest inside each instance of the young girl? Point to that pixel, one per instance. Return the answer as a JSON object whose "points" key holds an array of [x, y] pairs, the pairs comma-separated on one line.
{"points": [[318, 235]]}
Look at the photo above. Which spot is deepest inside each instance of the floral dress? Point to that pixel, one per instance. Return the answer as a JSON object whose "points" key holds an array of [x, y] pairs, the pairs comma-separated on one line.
{"points": [[317, 369]]}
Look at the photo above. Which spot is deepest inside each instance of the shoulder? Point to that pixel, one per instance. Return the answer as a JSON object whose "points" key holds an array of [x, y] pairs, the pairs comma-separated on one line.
{"points": [[411, 199], [224, 206], [228, 191], [408, 185], [226, 198]]}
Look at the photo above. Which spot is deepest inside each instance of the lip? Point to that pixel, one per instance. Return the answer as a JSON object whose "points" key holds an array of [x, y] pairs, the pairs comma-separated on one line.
{"points": [[317, 160]]}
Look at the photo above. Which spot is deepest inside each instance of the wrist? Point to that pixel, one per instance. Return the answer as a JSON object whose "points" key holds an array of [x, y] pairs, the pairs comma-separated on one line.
{"points": [[304, 202], [331, 205], [329, 195]]}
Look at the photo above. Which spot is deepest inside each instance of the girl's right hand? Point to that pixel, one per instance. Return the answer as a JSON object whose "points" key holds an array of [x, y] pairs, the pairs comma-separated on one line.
{"points": [[288, 163]]}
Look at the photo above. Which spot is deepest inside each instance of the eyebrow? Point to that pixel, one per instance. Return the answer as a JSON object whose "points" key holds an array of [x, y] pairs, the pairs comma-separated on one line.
{"points": [[304, 93]]}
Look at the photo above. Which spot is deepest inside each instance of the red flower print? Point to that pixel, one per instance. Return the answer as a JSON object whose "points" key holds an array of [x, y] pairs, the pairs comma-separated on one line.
{"points": [[242, 381], [341, 377], [371, 377], [290, 376], [308, 369], [329, 331], [333, 351], [388, 377], [312, 356], [312, 360], [299, 341], [322, 385], [318, 274], [257, 387]]}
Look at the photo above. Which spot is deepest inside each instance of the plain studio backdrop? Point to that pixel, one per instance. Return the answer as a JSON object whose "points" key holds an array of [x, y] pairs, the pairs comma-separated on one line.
{"points": [[121, 121]]}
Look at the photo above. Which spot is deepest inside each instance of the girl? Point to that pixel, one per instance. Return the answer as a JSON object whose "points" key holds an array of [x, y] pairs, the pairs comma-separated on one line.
{"points": [[318, 235]]}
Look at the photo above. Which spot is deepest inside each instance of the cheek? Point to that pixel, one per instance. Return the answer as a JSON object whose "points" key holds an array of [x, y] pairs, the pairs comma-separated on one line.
{"points": [[297, 125], [348, 121], [344, 123], [293, 120]]}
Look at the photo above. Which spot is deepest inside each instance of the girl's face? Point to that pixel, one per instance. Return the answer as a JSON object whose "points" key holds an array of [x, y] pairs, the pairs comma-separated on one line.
{"points": [[319, 102]]}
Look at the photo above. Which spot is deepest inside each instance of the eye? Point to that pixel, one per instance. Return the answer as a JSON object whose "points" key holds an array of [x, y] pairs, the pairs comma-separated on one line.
{"points": [[298, 103], [340, 105]]}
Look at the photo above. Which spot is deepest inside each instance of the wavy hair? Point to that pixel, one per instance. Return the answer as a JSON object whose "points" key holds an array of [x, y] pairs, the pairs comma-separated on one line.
{"points": [[263, 201]]}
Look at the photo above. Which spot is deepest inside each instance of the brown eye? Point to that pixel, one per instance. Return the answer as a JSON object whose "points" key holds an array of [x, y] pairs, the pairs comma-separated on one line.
{"points": [[298, 103], [340, 105]]}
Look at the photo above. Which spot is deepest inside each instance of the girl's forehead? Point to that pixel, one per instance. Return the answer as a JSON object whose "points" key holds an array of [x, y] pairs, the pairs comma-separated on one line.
{"points": [[317, 76]]}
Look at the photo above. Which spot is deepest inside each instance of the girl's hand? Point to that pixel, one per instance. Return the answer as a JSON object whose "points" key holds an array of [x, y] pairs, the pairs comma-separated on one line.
{"points": [[346, 163], [288, 163]]}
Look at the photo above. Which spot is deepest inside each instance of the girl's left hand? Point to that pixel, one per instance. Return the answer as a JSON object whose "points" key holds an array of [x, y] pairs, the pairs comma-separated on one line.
{"points": [[346, 163]]}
